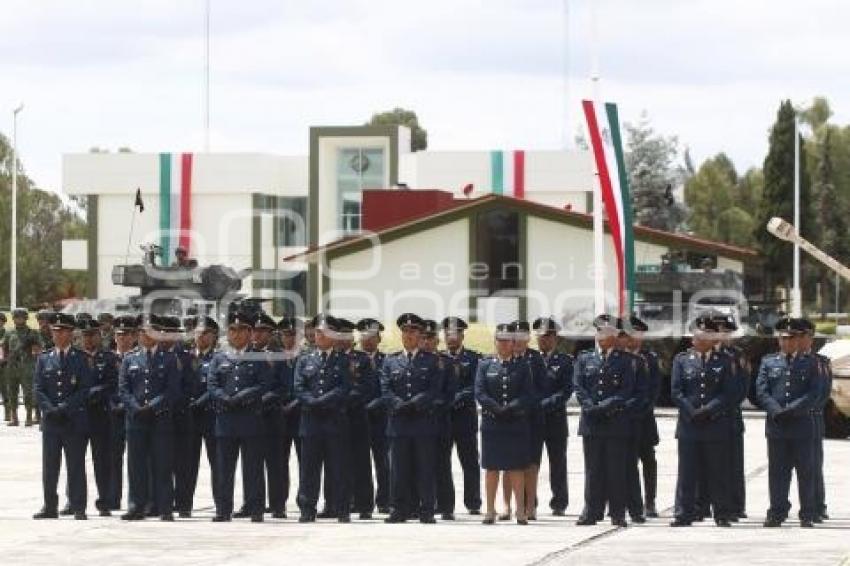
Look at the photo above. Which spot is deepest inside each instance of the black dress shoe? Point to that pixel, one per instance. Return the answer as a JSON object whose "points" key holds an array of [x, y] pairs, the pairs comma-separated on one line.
{"points": [[241, 514], [742, 514], [365, 516], [679, 522], [806, 524], [344, 518], [326, 514], [278, 514], [166, 517], [558, 512], [427, 519], [257, 518], [817, 519], [722, 523], [475, 511], [733, 519], [619, 523], [383, 509], [585, 522], [221, 519], [771, 523], [80, 516], [66, 511], [133, 516], [395, 518], [447, 517], [824, 516], [46, 514], [308, 517], [650, 511], [151, 513], [184, 514], [639, 519]]}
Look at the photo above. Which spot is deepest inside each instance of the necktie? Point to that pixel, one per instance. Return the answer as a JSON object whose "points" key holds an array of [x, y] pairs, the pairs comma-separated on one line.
{"points": [[788, 358], [409, 357], [62, 358], [324, 357], [148, 357]]}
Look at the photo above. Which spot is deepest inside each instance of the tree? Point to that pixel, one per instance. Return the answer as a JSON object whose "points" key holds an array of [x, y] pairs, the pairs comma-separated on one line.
{"points": [[650, 163], [402, 117], [43, 221], [778, 198], [708, 194]]}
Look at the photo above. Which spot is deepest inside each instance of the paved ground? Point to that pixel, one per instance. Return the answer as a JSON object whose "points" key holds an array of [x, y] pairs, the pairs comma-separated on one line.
{"points": [[549, 541]]}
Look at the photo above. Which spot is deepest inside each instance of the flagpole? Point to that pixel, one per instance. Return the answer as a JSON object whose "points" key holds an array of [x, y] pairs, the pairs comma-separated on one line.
{"points": [[598, 230], [130, 237], [207, 76]]}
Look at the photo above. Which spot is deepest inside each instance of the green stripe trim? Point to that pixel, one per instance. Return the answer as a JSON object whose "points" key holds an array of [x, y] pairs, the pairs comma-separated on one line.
{"points": [[628, 217], [165, 205], [93, 260], [497, 171]]}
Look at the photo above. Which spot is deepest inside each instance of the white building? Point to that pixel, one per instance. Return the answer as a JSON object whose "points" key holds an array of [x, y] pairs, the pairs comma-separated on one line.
{"points": [[486, 234]]}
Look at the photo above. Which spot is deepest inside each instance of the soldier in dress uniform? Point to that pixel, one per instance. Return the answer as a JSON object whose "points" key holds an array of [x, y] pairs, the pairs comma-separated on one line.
{"points": [[410, 383], [322, 385], [288, 328], [107, 331], [646, 428], [103, 376], [556, 390], [604, 379], [536, 416], [126, 327], [62, 385], [704, 388], [788, 386], [263, 341], [464, 415], [205, 330], [636, 406], [21, 346], [149, 383], [504, 388], [726, 325], [45, 318], [309, 337], [238, 379], [805, 332], [444, 484], [369, 331], [357, 468]]}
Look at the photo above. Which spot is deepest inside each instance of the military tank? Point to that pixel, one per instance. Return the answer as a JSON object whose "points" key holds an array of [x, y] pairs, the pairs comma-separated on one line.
{"points": [[177, 290]]}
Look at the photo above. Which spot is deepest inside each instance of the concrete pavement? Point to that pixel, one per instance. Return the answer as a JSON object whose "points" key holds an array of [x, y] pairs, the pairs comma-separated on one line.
{"points": [[548, 541]]}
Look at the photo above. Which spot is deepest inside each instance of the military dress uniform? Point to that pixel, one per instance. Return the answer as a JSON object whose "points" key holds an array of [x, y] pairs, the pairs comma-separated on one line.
{"points": [[118, 423], [62, 385], [378, 443], [275, 460], [203, 426], [103, 368], [820, 432], [704, 388], [505, 391], [237, 382], [444, 482], [410, 383], [789, 389], [322, 384], [604, 382], [464, 424], [646, 437], [358, 469], [556, 389], [292, 416], [149, 382], [7, 410]]}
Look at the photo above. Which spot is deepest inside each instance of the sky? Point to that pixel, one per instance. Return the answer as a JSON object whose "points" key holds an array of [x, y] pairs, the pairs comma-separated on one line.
{"points": [[481, 74]]}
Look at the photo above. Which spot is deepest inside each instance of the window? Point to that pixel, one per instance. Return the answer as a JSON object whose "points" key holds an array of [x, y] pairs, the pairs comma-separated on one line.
{"points": [[496, 246], [357, 169], [291, 222]]}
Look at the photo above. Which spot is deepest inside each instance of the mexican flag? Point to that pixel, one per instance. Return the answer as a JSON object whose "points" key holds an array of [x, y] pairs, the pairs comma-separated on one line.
{"points": [[507, 172], [603, 126], [175, 203]]}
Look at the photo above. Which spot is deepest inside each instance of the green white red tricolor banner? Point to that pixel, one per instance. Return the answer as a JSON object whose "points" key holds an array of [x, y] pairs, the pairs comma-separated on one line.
{"points": [[603, 127], [175, 203]]}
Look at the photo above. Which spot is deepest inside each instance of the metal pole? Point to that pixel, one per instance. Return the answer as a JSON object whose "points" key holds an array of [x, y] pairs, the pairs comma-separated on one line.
{"points": [[598, 229], [207, 77], [567, 122], [13, 283], [796, 296]]}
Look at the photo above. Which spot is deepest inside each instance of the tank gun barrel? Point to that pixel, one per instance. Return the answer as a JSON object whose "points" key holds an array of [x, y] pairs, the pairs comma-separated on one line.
{"points": [[785, 231]]}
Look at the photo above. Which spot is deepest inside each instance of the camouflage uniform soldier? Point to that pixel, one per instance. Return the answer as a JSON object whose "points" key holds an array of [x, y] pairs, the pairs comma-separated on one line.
{"points": [[45, 318], [107, 332], [7, 410], [21, 345]]}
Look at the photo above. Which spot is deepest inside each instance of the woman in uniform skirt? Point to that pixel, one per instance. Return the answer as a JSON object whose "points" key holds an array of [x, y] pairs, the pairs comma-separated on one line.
{"points": [[505, 391]]}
